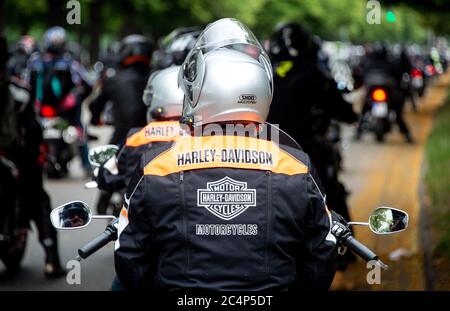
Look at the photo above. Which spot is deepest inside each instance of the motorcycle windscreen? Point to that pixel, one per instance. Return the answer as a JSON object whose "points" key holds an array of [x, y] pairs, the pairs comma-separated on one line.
{"points": [[378, 78]]}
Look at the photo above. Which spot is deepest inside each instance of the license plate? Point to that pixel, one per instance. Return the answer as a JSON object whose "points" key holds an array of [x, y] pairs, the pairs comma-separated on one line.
{"points": [[53, 122], [51, 133], [47, 122], [379, 110]]}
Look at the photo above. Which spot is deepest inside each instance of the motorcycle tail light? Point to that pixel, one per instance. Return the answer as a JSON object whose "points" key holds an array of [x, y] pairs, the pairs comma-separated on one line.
{"points": [[416, 73], [431, 70], [48, 111], [379, 95]]}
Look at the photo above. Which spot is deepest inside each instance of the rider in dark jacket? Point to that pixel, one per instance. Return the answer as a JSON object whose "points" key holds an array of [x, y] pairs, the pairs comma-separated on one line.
{"points": [[305, 101], [124, 88], [379, 63], [163, 99], [232, 210], [58, 80], [34, 202]]}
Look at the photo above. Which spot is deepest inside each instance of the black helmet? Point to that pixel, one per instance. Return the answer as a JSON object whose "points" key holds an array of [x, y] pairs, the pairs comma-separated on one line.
{"points": [[72, 211], [175, 46], [379, 51], [291, 42], [135, 49]]}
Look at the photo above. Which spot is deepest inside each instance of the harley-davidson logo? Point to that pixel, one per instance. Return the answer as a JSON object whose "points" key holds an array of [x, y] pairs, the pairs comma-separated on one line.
{"points": [[226, 198]]}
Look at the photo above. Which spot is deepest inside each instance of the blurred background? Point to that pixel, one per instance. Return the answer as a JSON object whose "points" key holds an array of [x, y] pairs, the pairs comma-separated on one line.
{"points": [[104, 21], [369, 171]]}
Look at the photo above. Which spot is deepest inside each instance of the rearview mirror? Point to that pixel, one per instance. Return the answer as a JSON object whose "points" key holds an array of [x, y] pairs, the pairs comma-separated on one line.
{"points": [[101, 154], [386, 220], [72, 215]]}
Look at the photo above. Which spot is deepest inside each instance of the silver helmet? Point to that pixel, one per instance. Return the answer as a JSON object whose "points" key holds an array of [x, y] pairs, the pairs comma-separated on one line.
{"points": [[227, 76], [162, 95]]}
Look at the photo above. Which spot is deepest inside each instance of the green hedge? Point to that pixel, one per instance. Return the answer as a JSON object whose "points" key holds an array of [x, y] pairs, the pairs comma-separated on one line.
{"points": [[438, 178]]}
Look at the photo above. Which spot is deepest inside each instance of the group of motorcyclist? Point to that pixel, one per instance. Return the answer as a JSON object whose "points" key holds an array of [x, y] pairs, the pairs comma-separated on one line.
{"points": [[218, 75]]}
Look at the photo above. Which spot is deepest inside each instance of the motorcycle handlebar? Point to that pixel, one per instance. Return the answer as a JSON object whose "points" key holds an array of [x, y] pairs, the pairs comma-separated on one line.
{"points": [[360, 249], [109, 235]]}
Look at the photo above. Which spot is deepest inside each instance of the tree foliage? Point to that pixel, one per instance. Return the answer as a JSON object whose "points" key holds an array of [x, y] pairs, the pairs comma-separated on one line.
{"points": [[330, 19]]}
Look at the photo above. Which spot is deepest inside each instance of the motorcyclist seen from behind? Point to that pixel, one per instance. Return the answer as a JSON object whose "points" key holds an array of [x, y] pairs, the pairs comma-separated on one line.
{"points": [[174, 47], [380, 69], [123, 88], [60, 82], [164, 100], [226, 208], [304, 103], [34, 202]]}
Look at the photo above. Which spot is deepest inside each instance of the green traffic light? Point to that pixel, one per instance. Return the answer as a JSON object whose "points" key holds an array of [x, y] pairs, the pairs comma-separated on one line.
{"points": [[390, 17]]}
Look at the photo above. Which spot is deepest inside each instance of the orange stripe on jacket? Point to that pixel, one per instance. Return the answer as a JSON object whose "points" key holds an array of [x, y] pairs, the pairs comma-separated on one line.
{"points": [[154, 132], [190, 153]]}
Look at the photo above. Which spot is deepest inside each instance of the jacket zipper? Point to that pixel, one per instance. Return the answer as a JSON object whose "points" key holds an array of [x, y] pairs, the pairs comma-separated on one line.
{"points": [[185, 230], [268, 218]]}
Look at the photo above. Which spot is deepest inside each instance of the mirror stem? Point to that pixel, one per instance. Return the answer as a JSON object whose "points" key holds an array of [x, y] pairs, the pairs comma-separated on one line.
{"points": [[104, 217], [356, 223]]}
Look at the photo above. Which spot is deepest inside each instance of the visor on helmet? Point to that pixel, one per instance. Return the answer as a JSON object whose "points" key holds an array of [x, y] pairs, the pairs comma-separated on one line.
{"points": [[162, 95], [223, 34], [148, 91]]}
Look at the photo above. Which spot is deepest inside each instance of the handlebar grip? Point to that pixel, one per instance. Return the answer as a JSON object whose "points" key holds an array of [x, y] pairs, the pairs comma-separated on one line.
{"points": [[97, 243], [360, 249]]}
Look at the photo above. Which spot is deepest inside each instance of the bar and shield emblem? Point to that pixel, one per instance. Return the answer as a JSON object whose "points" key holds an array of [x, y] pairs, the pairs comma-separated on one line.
{"points": [[226, 198]]}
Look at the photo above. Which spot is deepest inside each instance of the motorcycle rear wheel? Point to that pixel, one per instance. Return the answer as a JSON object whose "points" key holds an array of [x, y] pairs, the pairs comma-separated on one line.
{"points": [[380, 132]]}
